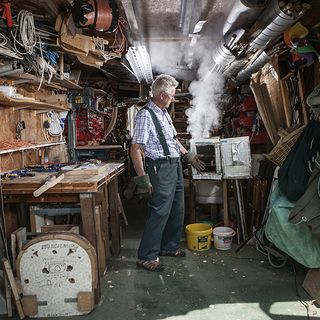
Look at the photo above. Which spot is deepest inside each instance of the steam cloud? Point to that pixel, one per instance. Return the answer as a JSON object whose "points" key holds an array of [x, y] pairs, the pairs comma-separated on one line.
{"points": [[206, 90]]}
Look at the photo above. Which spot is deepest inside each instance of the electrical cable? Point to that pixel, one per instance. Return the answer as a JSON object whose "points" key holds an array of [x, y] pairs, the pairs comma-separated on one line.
{"points": [[120, 43], [6, 49], [25, 34], [41, 66]]}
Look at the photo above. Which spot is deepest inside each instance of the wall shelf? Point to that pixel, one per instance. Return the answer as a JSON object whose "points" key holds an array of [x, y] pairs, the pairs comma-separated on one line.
{"points": [[36, 146], [29, 104]]}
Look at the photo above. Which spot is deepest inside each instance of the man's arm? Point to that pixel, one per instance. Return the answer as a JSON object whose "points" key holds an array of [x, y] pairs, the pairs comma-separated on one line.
{"points": [[136, 157], [142, 179], [183, 150], [191, 157]]}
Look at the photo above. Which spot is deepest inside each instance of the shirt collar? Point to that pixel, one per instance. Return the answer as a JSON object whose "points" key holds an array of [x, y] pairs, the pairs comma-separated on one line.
{"points": [[155, 108]]}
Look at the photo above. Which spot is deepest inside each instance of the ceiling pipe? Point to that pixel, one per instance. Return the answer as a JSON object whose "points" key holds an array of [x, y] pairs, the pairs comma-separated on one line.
{"points": [[253, 67], [234, 67], [276, 22], [224, 53], [243, 12], [222, 56]]}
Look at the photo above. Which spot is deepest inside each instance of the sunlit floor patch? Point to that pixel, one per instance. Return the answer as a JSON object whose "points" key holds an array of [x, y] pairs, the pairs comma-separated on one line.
{"points": [[248, 311]]}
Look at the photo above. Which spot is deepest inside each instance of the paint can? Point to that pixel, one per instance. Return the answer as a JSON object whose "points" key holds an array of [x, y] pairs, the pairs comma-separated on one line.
{"points": [[198, 236], [222, 237]]}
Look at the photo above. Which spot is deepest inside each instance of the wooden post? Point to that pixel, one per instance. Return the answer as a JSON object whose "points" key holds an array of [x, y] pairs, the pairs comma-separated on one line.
{"points": [[114, 217], [105, 222], [225, 202], [101, 254], [87, 205]]}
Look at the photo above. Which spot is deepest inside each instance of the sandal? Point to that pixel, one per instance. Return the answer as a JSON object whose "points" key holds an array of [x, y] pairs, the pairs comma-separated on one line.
{"points": [[176, 253], [151, 265]]}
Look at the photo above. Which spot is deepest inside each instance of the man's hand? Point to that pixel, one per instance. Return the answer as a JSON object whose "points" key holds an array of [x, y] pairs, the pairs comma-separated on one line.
{"points": [[144, 186], [193, 159]]}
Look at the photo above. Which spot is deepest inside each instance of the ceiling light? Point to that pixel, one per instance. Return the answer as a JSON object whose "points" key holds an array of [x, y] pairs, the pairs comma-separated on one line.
{"points": [[139, 60], [198, 27]]}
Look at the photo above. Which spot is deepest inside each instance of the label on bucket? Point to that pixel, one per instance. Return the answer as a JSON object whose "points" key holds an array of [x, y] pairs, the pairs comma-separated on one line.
{"points": [[203, 243]]}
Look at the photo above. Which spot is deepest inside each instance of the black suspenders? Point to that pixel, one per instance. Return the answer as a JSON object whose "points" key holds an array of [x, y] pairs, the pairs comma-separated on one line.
{"points": [[159, 131]]}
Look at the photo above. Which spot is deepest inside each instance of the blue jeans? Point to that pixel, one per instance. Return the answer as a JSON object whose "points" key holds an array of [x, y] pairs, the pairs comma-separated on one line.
{"points": [[164, 226]]}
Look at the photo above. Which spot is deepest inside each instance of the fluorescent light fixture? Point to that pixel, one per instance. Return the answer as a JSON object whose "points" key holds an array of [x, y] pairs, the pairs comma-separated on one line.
{"points": [[198, 27], [139, 60]]}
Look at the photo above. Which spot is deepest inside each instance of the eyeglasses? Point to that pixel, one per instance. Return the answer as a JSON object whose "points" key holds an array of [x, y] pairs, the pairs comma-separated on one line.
{"points": [[171, 96]]}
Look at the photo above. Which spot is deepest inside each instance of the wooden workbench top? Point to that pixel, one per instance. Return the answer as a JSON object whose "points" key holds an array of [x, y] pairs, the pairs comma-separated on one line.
{"points": [[71, 183]]}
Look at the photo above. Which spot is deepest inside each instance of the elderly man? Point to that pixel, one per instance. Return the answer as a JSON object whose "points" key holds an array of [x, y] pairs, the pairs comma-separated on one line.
{"points": [[161, 178]]}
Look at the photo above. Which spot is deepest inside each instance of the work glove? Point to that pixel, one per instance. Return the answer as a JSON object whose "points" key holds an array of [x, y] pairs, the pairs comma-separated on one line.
{"points": [[193, 159], [144, 186]]}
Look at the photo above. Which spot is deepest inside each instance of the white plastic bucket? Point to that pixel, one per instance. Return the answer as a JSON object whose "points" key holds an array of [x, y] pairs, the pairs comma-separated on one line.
{"points": [[222, 237]]}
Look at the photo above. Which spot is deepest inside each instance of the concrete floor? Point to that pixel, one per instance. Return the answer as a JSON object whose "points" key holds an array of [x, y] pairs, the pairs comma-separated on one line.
{"points": [[212, 284], [208, 285]]}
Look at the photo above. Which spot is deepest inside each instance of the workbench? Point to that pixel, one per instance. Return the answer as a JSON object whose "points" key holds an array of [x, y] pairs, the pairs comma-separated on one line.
{"points": [[98, 198]]}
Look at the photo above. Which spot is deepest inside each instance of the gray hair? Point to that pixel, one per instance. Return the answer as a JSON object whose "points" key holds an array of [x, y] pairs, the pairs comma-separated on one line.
{"points": [[163, 83]]}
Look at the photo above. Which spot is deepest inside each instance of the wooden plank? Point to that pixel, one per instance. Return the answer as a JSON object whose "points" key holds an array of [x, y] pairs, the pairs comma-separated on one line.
{"points": [[85, 169], [305, 108], [14, 250], [286, 99], [47, 185], [18, 237], [21, 235], [30, 305], [60, 227], [36, 221], [30, 103], [8, 273], [114, 217], [85, 301]]}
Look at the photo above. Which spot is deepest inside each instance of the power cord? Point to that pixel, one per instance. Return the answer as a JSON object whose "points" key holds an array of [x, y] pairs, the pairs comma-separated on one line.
{"points": [[25, 34]]}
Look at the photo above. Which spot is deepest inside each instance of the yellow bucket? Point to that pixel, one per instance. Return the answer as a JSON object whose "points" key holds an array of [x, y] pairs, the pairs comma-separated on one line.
{"points": [[198, 236]]}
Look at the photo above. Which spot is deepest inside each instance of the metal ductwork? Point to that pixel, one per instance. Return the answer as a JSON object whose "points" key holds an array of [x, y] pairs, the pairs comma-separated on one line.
{"points": [[276, 22], [253, 67], [243, 12], [222, 56], [226, 51], [233, 68], [229, 55]]}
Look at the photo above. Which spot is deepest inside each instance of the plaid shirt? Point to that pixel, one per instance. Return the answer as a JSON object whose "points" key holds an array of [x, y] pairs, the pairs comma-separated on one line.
{"points": [[145, 133]]}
